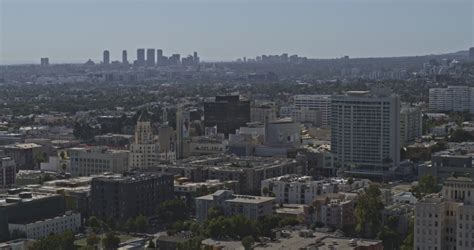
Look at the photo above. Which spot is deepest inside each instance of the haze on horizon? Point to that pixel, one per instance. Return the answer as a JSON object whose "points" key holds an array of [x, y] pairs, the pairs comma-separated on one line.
{"points": [[74, 31]]}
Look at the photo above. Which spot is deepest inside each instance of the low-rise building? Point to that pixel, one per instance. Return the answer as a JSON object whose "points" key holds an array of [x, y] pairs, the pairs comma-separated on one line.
{"points": [[248, 171], [206, 145], [127, 196], [306, 239], [24, 154], [446, 163], [297, 189], [187, 191], [404, 198], [42, 228], [251, 207], [96, 160], [17, 207]]}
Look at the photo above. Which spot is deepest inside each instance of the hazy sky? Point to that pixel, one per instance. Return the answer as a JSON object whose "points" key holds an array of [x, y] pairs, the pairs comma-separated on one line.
{"points": [[76, 30]]}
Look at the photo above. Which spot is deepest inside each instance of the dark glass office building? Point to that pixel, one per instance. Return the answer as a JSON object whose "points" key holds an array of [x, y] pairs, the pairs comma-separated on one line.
{"points": [[228, 113]]}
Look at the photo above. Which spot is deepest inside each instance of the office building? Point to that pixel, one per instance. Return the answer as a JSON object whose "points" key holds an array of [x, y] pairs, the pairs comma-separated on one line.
{"points": [[18, 207], [411, 123], [446, 220], [106, 57], [175, 59], [124, 57], [248, 171], [252, 207], [260, 112], [446, 163], [150, 57], [42, 228], [182, 131], [307, 115], [97, 160], [144, 151], [452, 98], [196, 57], [23, 154], [123, 197], [7, 172], [228, 113], [471, 53], [283, 132], [140, 57], [319, 102], [159, 57], [166, 142], [365, 132], [44, 61]]}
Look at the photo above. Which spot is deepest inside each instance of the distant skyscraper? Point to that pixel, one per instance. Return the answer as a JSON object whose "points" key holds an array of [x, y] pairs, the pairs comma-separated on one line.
{"points": [[140, 57], [159, 57], [196, 58], [175, 59], [471, 53], [365, 132], [150, 57], [44, 61], [106, 57], [124, 57]]}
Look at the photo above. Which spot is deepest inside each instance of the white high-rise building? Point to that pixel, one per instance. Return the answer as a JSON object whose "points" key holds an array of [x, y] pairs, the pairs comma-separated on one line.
{"points": [[410, 124], [365, 131], [446, 220], [144, 152], [321, 102], [452, 98]]}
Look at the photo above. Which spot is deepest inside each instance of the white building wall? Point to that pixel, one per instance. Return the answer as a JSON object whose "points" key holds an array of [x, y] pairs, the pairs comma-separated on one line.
{"points": [[57, 225]]}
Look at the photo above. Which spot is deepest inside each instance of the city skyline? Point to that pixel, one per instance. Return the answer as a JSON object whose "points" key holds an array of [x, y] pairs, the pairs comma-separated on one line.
{"points": [[319, 29]]}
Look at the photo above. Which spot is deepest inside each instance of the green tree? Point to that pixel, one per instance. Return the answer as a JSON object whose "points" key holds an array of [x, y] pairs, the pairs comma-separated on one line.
{"points": [[64, 241], [151, 245], [368, 211], [110, 241], [131, 225], [408, 242], [460, 135], [215, 212], [141, 223], [265, 191], [350, 180], [94, 222], [390, 237], [191, 244], [265, 224], [173, 210], [426, 185], [92, 240], [247, 242]]}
